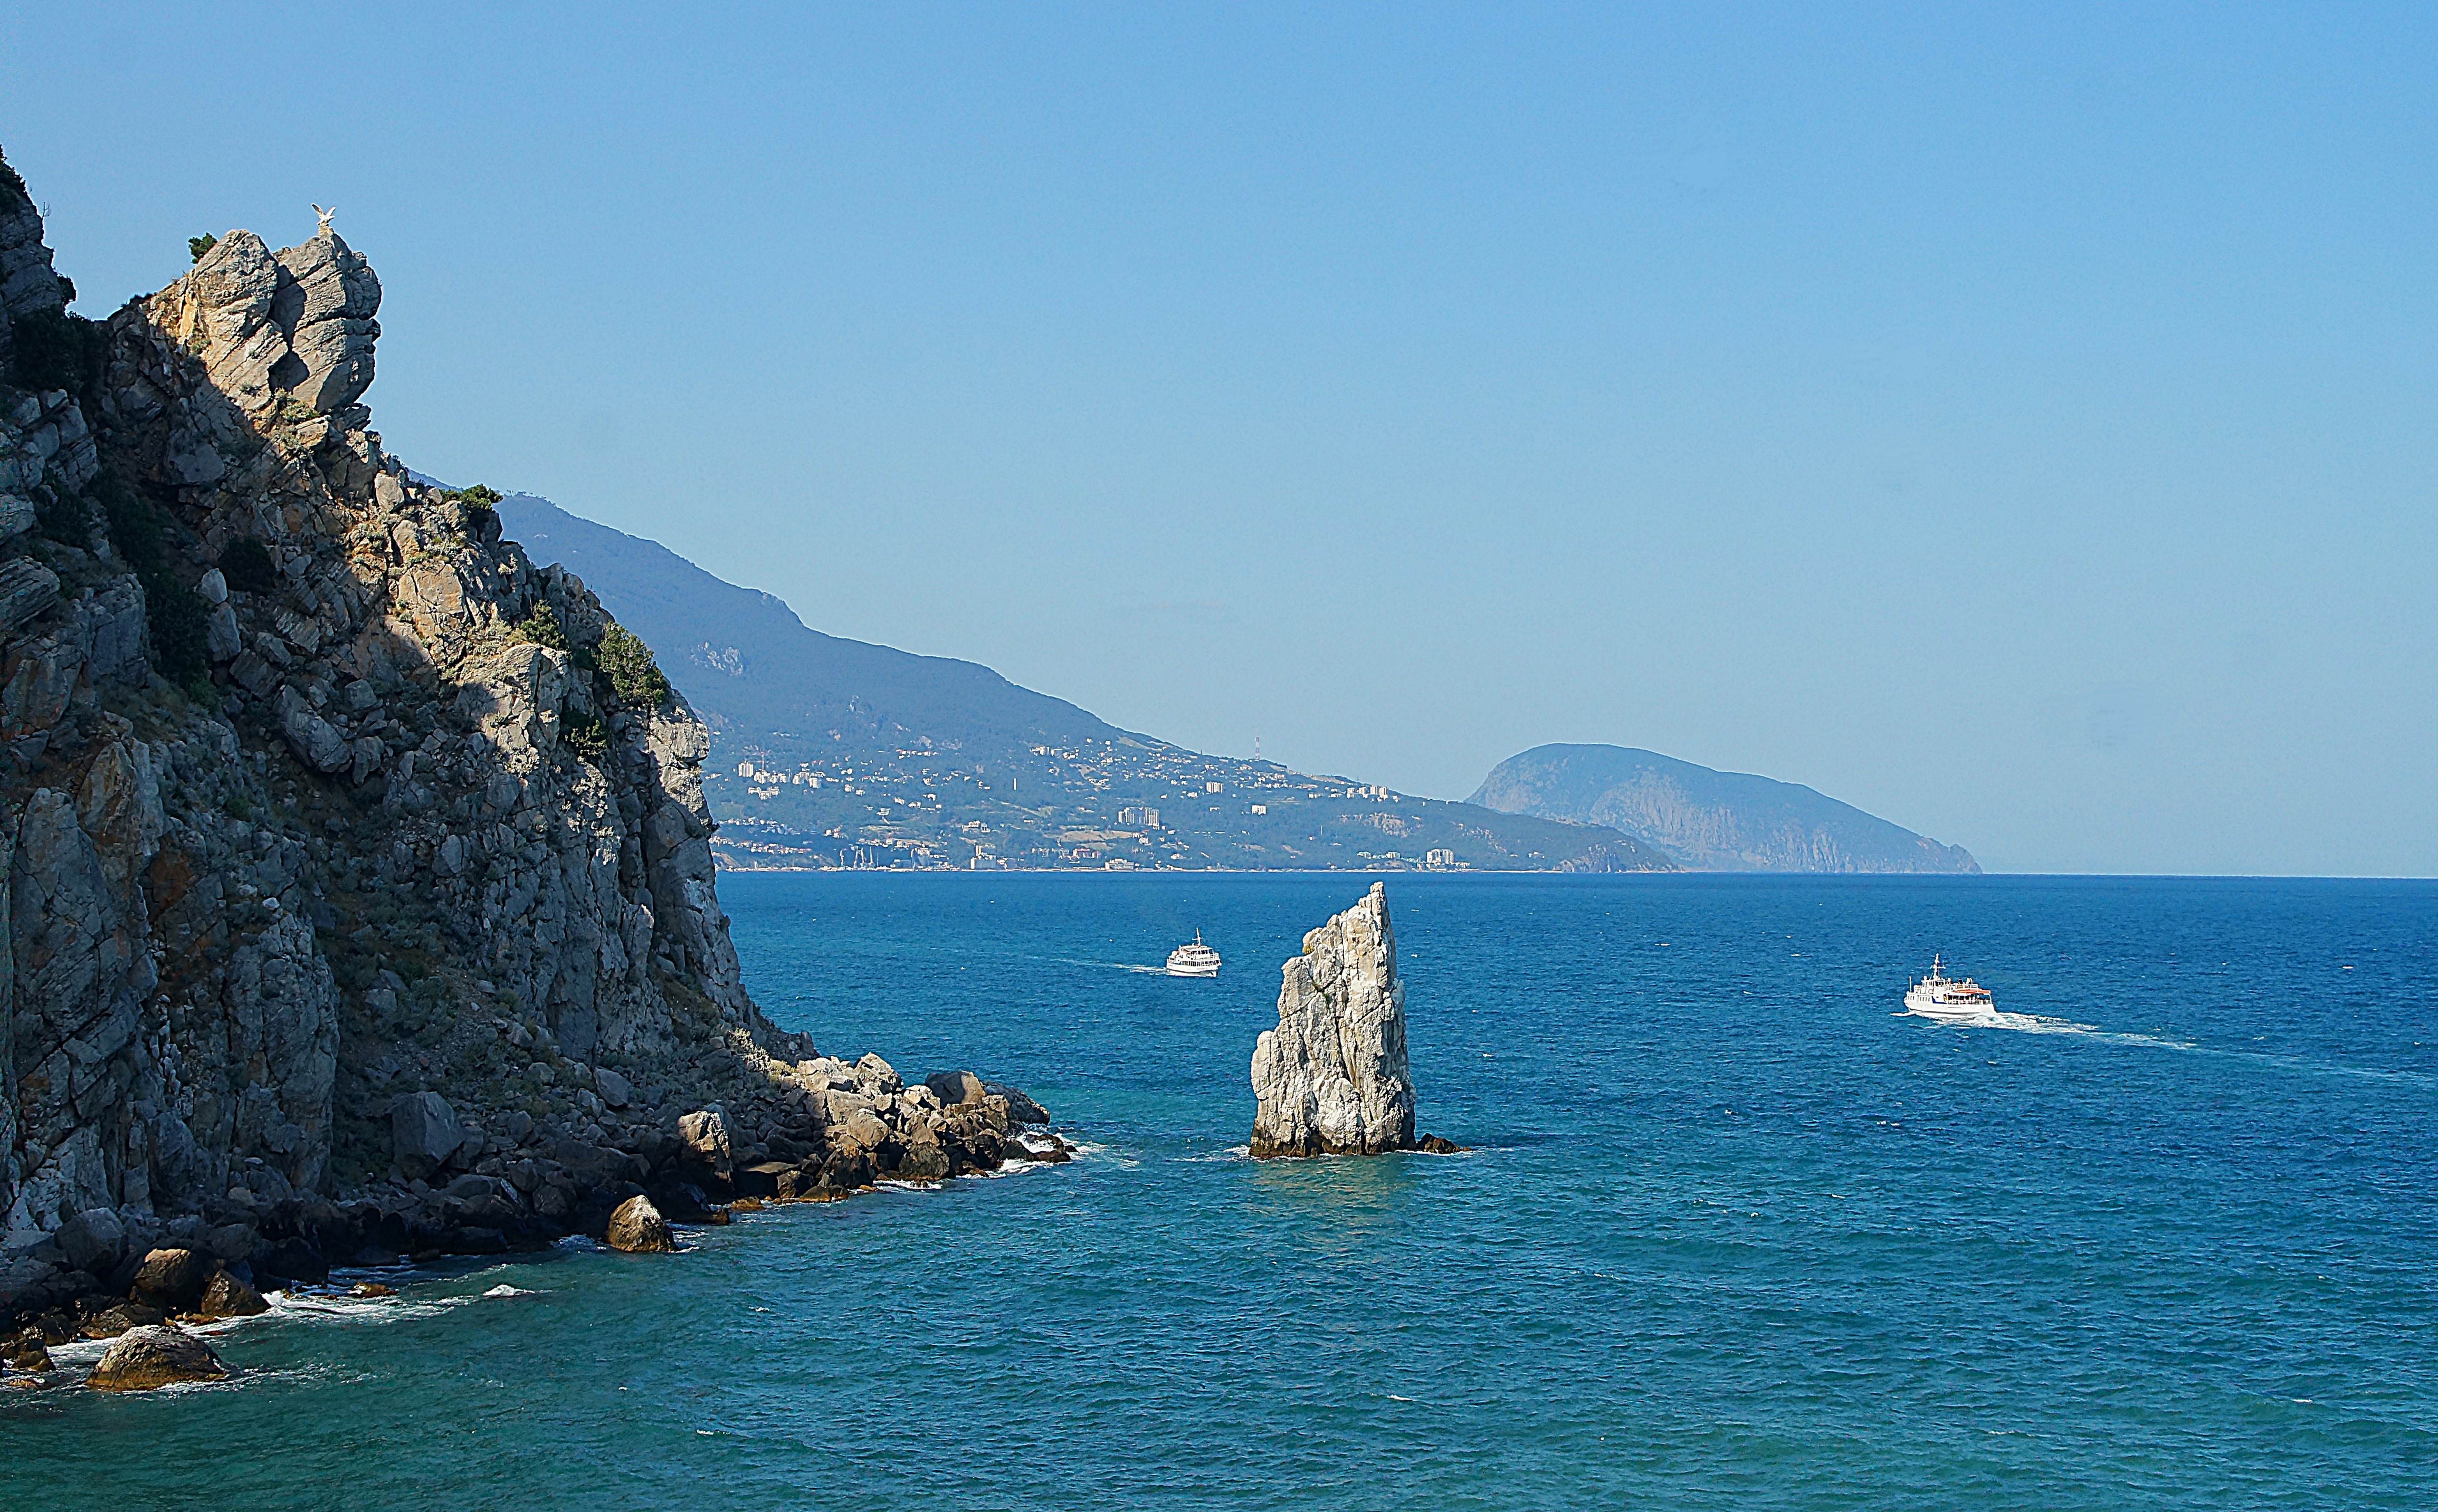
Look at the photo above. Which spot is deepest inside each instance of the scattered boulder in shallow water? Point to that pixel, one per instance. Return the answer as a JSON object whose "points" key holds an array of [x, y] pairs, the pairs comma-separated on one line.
{"points": [[1042, 1146], [1020, 1109], [173, 1279], [638, 1228], [1332, 1078], [225, 1297], [24, 1351], [146, 1358], [109, 1321]]}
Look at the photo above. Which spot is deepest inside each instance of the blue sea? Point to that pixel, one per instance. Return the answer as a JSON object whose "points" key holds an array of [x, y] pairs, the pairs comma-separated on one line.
{"points": [[1731, 1234]]}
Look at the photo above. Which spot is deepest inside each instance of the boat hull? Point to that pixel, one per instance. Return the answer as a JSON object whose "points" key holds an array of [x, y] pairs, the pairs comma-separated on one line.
{"points": [[1921, 1005], [1194, 960]]}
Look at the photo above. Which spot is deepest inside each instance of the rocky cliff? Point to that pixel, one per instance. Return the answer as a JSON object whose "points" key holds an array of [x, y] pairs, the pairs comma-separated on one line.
{"points": [[1332, 1079], [356, 878]]}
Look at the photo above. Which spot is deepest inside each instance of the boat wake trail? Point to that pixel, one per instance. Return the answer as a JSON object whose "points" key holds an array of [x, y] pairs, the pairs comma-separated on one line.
{"points": [[1115, 965], [2041, 1024]]}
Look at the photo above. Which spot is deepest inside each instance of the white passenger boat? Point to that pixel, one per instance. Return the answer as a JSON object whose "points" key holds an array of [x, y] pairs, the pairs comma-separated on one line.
{"points": [[1938, 995], [1196, 960]]}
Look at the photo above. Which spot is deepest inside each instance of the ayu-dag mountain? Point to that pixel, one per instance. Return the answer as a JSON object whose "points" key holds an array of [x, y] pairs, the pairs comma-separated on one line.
{"points": [[1707, 820], [827, 751]]}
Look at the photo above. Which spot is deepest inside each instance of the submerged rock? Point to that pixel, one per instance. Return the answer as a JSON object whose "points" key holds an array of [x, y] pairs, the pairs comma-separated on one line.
{"points": [[638, 1228], [146, 1358], [1331, 1079]]}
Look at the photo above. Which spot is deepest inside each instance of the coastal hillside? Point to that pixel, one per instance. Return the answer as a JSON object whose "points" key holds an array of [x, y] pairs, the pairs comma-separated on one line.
{"points": [[356, 871], [749, 664], [830, 752], [1708, 820]]}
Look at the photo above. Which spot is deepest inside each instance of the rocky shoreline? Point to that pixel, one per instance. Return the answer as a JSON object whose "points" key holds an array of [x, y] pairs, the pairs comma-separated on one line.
{"points": [[359, 897], [835, 1130]]}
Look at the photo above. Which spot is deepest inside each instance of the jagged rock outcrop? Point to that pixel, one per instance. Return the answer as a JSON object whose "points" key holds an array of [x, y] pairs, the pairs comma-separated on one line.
{"points": [[357, 905], [1332, 1079], [297, 326], [27, 285]]}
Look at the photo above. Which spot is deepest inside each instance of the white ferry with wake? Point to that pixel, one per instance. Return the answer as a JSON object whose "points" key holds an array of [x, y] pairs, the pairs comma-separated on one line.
{"points": [[1195, 960], [1941, 996]]}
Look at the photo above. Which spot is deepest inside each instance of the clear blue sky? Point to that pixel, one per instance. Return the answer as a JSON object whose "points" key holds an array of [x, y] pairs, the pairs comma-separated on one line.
{"points": [[2015, 421]]}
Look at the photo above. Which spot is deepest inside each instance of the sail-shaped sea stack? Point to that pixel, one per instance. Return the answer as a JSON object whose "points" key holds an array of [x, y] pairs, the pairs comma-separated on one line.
{"points": [[1331, 1079]]}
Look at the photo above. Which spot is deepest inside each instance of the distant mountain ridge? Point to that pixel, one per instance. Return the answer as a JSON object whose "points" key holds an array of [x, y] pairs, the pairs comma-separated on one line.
{"points": [[830, 752], [749, 665], [1709, 821]]}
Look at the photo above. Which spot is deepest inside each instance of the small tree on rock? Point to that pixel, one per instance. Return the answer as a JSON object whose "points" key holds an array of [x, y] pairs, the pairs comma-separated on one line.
{"points": [[626, 661]]}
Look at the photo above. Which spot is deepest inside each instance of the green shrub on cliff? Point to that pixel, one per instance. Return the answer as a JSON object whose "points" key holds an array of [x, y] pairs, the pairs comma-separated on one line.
{"points": [[587, 736], [480, 504], [196, 246], [57, 350], [626, 661], [542, 627]]}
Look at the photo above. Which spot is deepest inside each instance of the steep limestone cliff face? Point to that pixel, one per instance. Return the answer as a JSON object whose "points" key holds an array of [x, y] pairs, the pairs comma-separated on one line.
{"points": [[1332, 1079], [242, 906], [318, 798]]}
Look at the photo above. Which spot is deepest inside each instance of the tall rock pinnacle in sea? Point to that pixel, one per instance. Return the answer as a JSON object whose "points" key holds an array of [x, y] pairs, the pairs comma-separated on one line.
{"points": [[1331, 1079]]}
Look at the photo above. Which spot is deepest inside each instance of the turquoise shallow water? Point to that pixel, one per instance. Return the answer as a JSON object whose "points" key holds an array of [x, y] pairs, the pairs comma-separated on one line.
{"points": [[1734, 1236]]}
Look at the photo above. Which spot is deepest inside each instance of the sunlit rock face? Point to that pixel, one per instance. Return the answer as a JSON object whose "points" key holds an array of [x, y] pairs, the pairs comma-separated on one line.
{"points": [[1332, 1079], [297, 324]]}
